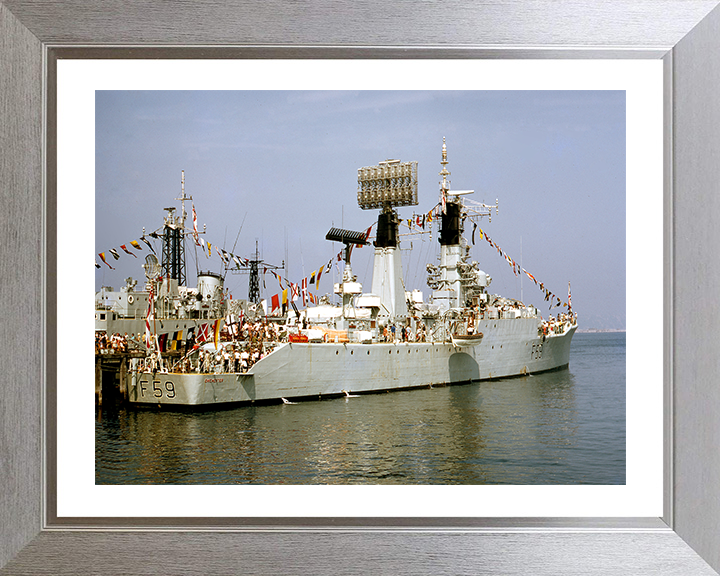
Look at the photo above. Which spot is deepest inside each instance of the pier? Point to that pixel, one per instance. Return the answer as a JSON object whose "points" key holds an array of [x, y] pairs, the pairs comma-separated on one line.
{"points": [[111, 370]]}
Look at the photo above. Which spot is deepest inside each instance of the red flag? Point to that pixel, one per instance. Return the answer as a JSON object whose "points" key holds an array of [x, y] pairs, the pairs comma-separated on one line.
{"points": [[195, 230], [102, 257], [275, 303], [126, 250], [304, 290], [317, 282], [203, 333]]}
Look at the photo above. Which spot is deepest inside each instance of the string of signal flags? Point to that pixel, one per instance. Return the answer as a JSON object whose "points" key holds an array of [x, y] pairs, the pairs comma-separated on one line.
{"points": [[419, 221], [292, 291], [554, 300]]}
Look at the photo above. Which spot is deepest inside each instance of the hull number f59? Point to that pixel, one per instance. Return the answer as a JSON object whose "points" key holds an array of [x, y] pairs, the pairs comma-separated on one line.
{"points": [[157, 389]]}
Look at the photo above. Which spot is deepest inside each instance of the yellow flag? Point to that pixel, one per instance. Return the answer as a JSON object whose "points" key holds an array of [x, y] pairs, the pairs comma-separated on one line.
{"points": [[217, 333]]}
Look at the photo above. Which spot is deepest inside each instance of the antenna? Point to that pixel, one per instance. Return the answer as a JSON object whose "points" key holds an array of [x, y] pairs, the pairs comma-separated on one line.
{"points": [[151, 266], [389, 183], [252, 267], [182, 200]]}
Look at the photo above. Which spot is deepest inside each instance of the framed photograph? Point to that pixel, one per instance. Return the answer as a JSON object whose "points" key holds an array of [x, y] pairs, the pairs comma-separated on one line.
{"points": [[409, 531], [581, 118]]}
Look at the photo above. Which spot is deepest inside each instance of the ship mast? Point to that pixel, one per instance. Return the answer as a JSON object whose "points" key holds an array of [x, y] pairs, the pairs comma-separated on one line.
{"points": [[173, 252], [252, 267], [182, 200], [444, 185], [454, 277]]}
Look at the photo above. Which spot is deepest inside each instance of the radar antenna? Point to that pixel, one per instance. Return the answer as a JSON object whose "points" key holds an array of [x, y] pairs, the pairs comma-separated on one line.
{"points": [[152, 267]]}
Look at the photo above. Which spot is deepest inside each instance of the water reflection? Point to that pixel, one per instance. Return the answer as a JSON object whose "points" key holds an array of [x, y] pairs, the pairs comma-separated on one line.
{"points": [[563, 427], [519, 430]]}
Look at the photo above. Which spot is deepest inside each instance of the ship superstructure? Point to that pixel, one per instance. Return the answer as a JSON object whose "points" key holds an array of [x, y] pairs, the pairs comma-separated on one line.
{"points": [[178, 310], [385, 339]]}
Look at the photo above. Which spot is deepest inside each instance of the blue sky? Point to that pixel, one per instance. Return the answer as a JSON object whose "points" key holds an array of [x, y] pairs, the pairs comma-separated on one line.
{"points": [[283, 165]]}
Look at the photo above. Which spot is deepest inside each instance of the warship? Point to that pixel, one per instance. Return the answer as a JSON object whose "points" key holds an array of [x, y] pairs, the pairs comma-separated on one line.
{"points": [[178, 311], [382, 340]]}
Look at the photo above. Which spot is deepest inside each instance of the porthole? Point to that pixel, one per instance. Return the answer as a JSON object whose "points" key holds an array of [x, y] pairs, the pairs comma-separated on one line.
{"points": [[368, 352], [351, 352], [389, 351], [337, 352]]}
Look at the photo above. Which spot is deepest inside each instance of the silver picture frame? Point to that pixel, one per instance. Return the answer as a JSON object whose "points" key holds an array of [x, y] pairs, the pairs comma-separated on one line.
{"points": [[684, 34]]}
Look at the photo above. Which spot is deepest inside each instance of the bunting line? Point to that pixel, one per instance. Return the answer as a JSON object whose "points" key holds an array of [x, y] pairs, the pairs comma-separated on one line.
{"points": [[554, 300], [289, 291]]}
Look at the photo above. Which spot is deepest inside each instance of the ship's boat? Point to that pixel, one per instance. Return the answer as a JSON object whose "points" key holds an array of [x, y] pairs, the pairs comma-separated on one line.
{"points": [[386, 339]]}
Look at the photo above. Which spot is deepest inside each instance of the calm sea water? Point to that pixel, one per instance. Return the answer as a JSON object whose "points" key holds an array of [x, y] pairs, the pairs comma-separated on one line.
{"points": [[565, 427]]}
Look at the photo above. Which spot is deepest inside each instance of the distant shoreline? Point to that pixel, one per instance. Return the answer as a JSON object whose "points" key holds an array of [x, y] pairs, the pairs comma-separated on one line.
{"points": [[594, 330]]}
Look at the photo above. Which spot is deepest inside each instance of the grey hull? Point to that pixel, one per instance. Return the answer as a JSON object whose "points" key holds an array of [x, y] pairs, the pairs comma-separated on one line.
{"points": [[509, 347]]}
